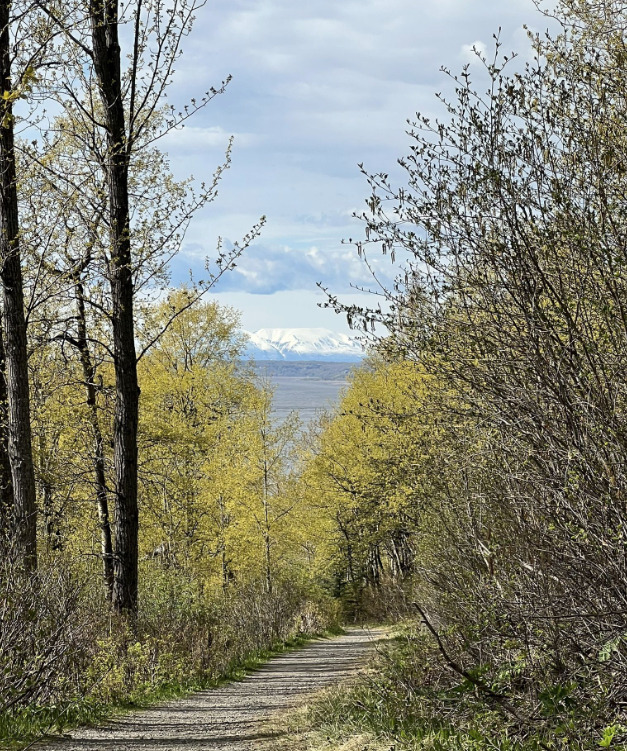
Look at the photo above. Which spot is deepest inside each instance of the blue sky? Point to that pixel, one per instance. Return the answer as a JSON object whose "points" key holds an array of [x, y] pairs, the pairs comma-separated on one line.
{"points": [[318, 86]]}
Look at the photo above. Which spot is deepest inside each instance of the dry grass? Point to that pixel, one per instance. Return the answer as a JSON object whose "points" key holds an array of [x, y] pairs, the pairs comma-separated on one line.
{"points": [[294, 733], [309, 740]]}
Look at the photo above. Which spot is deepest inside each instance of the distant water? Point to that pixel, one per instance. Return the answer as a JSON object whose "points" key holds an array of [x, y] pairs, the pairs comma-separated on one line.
{"points": [[308, 396]]}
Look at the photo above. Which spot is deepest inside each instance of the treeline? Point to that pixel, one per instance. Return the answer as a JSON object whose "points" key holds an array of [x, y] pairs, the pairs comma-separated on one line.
{"points": [[477, 470], [150, 534], [91, 217]]}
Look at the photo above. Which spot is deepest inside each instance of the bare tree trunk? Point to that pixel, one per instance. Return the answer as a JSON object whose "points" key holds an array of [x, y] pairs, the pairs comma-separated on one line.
{"points": [[266, 530], [102, 499], [18, 401], [106, 57], [6, 483]]}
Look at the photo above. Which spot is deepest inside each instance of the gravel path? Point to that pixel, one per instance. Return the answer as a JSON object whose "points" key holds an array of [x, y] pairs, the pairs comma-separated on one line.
{"points": [[233, 716]]}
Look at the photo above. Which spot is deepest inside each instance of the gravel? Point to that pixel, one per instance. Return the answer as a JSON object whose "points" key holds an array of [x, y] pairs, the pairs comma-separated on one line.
{"points": [[234, 716]]}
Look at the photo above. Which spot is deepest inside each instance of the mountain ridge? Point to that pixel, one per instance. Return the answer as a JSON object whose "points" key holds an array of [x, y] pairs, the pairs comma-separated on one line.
{"points": [[302, 344]]}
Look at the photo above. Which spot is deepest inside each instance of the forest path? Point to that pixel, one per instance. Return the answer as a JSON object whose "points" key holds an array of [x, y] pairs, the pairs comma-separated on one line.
{"points": [[233, 716]]}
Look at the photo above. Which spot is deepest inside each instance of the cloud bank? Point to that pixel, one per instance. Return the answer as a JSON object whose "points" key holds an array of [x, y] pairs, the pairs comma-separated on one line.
{"points": [[318, 87]]}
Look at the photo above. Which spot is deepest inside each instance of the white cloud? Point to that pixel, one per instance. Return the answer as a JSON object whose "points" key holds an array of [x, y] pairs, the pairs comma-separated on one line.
{"points": [[196, 139], [470, 52], [265, 269], [317, 87]]}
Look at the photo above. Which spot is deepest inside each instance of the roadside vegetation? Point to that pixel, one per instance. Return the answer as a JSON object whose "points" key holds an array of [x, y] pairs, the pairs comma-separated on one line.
{"points": [[65, 663]]}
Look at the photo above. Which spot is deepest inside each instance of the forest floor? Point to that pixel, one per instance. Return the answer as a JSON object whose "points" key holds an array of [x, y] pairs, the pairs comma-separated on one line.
{"points": [[240, 716]]}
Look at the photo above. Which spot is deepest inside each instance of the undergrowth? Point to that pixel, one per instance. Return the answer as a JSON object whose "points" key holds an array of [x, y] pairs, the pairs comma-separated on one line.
{"points": [[34, 722], [78, 667], [408, 699]]}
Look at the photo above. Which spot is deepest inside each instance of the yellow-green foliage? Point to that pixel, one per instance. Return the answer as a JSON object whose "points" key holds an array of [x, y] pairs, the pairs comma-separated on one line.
{"points": [[214, 469], [373, 468], [216, 475]]}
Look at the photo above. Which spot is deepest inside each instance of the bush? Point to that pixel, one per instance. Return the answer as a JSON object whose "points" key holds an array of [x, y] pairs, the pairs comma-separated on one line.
{"points": [[61, 662], [45, 630], [411, 699]]}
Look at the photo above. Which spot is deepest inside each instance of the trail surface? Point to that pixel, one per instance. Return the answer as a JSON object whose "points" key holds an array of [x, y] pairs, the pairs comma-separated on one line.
{"points": [[233, 716]]}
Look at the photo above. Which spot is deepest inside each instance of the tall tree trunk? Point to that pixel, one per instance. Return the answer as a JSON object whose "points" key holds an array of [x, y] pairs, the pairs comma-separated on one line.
{"points": [[266, 519], [6, 482], [106, 57], [102, 499], [18, 402]]}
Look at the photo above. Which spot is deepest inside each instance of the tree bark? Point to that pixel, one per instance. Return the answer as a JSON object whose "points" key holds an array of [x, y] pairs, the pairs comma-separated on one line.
{"points": [[102, 497], [6, 482], [106, 58], [266, 519], [18, 400]]}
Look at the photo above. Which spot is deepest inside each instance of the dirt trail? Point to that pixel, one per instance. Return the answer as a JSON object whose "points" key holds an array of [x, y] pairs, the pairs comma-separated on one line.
{"points": [[233, 716]]}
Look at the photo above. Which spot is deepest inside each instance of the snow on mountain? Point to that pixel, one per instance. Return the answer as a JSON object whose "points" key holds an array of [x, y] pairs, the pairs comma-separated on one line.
{"points": [[302, 344]]}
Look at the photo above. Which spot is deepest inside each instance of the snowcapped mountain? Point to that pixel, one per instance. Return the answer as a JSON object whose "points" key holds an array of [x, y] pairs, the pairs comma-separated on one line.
{"points": [[302, 344]]}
